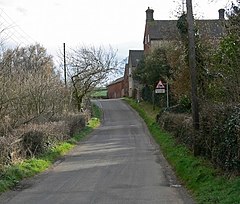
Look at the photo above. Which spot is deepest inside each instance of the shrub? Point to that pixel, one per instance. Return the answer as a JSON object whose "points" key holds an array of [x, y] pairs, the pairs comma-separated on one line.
{"points": [[75, 123], [37, 138], [33, 139], [178, 124], [219, 135], [220, 130], [33, 142], [4, 151]]}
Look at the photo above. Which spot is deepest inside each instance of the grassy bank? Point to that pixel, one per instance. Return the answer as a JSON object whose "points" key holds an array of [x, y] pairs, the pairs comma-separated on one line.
{"points": [[207, 184], [15, 173]]}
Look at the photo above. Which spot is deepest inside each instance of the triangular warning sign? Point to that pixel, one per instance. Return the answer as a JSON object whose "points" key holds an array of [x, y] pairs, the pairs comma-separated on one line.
{"points": [[160, 85]]}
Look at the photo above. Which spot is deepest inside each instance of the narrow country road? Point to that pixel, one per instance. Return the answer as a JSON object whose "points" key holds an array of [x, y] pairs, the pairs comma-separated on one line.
{"points": [[119, 163]]}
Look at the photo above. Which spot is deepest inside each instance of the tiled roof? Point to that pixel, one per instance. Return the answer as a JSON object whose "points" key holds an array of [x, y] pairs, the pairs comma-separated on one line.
{"points": [[211, 28], [167, 29], [116, 81], [162, 29]]}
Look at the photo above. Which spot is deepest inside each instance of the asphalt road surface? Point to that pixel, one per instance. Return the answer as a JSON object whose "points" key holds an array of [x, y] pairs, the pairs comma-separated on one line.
{"points": [[119, 163]]}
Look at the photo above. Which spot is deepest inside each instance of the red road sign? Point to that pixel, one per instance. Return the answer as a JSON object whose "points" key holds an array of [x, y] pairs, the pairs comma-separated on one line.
{"points": [[160, 85], [160, 88]]}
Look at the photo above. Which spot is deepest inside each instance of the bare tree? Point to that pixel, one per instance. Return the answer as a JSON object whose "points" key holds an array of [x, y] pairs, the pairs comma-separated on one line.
{"points": [[89, 67], [30, 90]]}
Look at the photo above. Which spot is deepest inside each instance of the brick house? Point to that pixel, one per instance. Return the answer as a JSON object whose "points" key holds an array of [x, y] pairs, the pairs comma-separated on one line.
{"points": [[159, 33], [126, 86], [116, 88]]}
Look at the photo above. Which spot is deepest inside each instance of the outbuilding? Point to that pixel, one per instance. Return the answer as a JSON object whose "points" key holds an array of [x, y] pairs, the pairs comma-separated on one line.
{"points": [[116, 88]]}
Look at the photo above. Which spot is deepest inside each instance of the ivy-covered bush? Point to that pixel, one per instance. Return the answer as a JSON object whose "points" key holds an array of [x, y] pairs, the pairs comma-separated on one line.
{"points": [[220, 133]]}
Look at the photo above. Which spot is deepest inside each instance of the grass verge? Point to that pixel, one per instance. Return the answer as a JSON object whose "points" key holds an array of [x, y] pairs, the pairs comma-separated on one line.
{"points": [[99, 93], [207, 184], [15, 173]]}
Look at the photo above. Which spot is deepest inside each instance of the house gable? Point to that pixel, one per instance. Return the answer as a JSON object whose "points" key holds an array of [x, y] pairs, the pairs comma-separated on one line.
{"points": [[133, 59], [166, 30]]}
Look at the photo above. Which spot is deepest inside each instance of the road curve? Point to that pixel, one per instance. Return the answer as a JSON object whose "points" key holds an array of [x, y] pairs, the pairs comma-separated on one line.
{"points": [[118, 164]]}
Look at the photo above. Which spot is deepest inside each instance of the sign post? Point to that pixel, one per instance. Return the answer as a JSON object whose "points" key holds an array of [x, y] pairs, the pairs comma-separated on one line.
{"points": [[167, 95], [160, 88]]}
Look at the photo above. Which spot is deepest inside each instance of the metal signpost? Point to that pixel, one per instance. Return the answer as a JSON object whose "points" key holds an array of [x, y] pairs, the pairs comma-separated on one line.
{"points": [[160, 88]]}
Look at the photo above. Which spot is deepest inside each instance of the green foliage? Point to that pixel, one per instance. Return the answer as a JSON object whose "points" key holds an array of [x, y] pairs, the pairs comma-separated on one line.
{"points": [[179, 125], [227, 63], [101, 93], [225, 84], [182, 26], [150, 70], [147, 94], [185, 102], [206, 183], [153, 68], [13, 174], [184, 105], [96, 111], [221, 135], [201, 48]]}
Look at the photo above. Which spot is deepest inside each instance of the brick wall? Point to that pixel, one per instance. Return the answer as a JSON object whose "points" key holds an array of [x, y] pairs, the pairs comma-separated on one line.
{"points": [[116, 90]]}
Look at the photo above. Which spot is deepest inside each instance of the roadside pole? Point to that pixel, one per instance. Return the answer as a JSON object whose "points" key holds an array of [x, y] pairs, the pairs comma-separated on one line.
{"points": [[193, 74], [64, 65], [167, 85]]}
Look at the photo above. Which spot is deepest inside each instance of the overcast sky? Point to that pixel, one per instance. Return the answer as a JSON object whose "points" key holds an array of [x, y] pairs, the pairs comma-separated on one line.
{"points": [[96, 22]]}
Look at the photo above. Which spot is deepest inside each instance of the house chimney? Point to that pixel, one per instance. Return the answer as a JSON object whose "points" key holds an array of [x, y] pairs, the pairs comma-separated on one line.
{"points": [[221, 14], [149, 15]]}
